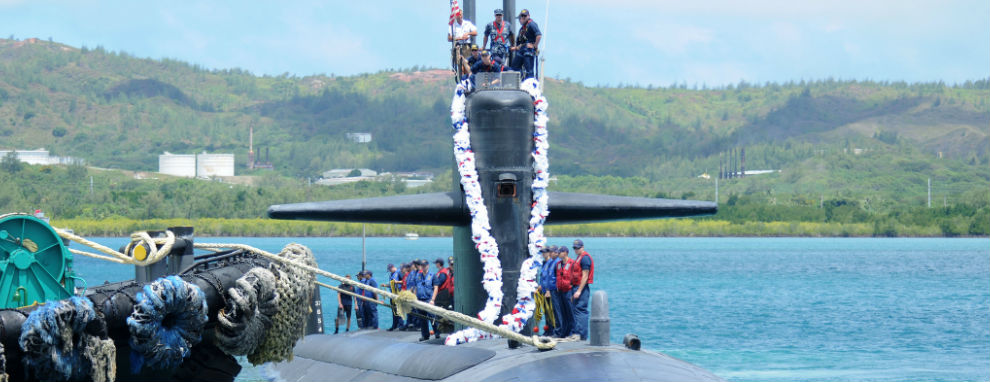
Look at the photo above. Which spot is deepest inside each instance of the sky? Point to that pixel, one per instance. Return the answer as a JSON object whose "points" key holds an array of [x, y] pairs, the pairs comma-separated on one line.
{"points": [[636, 42]]}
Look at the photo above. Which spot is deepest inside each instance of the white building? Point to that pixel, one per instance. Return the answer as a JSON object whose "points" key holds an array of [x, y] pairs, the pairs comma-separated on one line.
{"points": [[39, 156], [359, 137], [344, 172], [177, 164], [196, 165], [208, 165]]}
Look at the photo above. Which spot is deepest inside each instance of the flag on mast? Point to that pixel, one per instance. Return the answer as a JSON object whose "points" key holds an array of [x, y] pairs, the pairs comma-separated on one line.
{"points": [[454, 10]]}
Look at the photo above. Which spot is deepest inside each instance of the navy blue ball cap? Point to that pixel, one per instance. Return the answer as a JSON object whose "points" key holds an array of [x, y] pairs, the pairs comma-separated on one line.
{"points": [[498, 11], [578, 244]]}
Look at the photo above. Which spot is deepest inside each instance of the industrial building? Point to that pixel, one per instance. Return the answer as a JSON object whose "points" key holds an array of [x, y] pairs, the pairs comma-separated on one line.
{"points": [[40, 157], [177, 164], [196, 165], [210, 165]]}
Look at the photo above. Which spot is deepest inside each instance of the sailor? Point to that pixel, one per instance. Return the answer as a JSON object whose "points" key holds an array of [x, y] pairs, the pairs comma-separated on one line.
{"points": [[501, 35], [548, 287], [582, 287], [412, 281], [395, 284], [405, 276], [463, 35], [370, 309], [443, 292], [527, 41], [424, 291], [470, 61], [359, 303], [344, 303], [564, 266], [475, 56], [487, 64]]}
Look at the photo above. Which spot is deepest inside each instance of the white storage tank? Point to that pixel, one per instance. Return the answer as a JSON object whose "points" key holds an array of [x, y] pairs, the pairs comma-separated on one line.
{"points": [[177, 164], [208, 165]]}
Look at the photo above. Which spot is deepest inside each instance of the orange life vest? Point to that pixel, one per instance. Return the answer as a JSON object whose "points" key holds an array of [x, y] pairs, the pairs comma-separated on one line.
{"points": [[563, 274], [448, 283], [576, 270]]}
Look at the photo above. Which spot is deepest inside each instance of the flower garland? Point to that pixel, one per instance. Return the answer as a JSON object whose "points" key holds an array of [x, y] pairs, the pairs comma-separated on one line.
{"points": [[480, 227]]}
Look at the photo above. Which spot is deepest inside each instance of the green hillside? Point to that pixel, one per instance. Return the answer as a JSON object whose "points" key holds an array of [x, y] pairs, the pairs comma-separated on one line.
{"points": [[846, 151]]}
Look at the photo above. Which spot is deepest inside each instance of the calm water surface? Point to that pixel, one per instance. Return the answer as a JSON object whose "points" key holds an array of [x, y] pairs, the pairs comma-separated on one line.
{"points": [[770, 309]]}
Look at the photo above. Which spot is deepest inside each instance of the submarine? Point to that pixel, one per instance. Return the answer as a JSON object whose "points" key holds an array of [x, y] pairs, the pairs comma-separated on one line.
{"points": [[500, 108]]}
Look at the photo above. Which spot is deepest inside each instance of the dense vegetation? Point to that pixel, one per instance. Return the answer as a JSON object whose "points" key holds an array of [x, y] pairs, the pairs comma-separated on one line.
{"points": [[854, 157]]}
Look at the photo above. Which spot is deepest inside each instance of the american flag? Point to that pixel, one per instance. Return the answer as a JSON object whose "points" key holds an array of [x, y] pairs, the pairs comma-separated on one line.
{"points": [[454, 10]]}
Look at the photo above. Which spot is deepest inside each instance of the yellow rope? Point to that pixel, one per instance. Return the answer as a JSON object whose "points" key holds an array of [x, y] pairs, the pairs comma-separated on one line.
{"points": [[543, 305]]}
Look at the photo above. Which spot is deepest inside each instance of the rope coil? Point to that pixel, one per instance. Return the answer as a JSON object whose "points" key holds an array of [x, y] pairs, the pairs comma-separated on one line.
{"points": [[57, 345], [250, 306], [167, 322], [295, 291]]}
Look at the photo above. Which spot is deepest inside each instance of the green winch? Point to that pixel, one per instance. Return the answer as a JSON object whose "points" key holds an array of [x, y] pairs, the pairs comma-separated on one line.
{"points": [[35, 265]]}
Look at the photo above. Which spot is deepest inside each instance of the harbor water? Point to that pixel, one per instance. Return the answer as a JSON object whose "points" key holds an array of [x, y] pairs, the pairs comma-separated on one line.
{"points": [[767, 309]]}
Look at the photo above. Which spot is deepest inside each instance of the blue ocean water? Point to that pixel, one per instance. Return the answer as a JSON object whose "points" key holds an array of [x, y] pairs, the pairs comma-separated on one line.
{"points": [[768, 309]]}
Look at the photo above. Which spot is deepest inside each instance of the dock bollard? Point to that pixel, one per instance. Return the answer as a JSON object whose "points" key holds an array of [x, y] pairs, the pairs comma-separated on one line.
{"points": [[598, 330]]}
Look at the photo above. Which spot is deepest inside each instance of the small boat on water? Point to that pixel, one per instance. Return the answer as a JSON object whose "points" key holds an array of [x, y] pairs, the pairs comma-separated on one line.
{"points": [[412, 236]]}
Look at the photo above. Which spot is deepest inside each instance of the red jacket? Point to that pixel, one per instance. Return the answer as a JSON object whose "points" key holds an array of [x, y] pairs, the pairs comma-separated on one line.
{"points": [[564, 274]]}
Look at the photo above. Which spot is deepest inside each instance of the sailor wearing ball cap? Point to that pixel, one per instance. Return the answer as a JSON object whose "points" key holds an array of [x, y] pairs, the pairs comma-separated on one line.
{"points": [[501, 35], [527, 41], [582, 289]]}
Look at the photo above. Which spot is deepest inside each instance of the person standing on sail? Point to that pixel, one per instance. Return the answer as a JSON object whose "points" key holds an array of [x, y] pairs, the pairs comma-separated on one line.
{"points": [[501, 35], [527, 42], [461, 32]]}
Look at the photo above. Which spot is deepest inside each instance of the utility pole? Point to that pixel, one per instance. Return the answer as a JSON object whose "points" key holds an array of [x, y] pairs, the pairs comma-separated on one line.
{"points": [[91, 185], [364, 254], [716, 190], [929, 192]]}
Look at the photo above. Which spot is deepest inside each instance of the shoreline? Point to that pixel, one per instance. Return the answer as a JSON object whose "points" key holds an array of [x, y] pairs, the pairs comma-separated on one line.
{"points": [[212, 227]]}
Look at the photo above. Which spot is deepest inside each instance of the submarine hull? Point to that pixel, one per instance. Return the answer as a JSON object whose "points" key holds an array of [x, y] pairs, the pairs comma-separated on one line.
{"points": [[396, 356]]}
